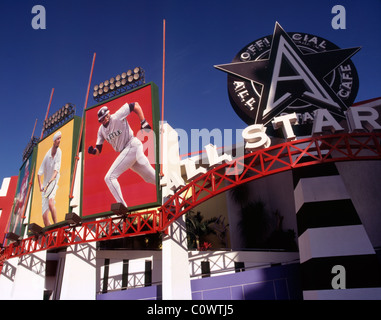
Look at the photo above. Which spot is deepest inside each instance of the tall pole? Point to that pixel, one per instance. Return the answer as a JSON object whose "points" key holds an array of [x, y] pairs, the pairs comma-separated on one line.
{"points": [[81, 130], [47, 113], [162, 104], [34, 129]]}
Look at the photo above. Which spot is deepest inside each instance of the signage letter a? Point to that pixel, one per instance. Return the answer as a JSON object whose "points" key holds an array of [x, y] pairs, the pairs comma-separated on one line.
{"points": [[314, 91], [338, 21], [338, 281], [39, 21]]}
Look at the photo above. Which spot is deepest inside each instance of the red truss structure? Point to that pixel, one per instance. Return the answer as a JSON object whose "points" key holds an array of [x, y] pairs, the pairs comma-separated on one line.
{"points": [[108, 228], [275, 159], [272, 160]]}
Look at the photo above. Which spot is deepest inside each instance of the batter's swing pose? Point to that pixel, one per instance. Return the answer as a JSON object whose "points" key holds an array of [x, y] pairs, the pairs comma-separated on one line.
{"points": [[115, 130]]}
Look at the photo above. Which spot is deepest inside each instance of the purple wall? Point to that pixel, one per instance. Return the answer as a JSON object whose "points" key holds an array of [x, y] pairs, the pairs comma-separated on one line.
{"points": [[275, 283], [145, 293]]}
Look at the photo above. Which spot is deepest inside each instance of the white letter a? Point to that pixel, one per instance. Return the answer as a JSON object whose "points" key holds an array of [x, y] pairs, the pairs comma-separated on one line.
{"points": [[39, 21], [338, 281], [338, 21]]}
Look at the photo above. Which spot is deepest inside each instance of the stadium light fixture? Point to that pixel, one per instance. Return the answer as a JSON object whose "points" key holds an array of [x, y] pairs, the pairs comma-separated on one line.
{"points": [[60, 117], [119, 84]]}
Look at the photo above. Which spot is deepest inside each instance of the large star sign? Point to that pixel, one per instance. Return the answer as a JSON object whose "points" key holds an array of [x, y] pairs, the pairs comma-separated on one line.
{"points": [[288, 75]]}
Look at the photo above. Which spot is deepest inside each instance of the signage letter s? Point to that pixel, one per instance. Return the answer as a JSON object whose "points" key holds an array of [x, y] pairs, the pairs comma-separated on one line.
{"points": [[256, 137]]}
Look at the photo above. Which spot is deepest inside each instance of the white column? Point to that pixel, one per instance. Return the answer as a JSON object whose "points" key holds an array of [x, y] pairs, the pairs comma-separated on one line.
{"points": [[7, 278], [175, 262], [337, 258], [176, 277], [78, 279], [29, 281]]}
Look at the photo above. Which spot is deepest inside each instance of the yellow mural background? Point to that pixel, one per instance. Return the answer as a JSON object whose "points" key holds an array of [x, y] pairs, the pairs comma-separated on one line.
{"points": [[62, 195]]}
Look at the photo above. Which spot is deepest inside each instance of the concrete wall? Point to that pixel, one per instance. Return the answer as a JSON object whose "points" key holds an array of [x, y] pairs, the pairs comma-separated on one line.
{"points": [[276, 192], [362, 180], [273, 283]]}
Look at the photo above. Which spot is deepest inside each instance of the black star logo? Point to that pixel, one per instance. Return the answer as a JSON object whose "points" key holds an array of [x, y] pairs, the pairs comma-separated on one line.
{"points": [[289, 75]]}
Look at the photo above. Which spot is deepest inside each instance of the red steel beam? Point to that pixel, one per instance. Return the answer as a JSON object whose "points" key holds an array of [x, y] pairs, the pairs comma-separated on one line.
{"points": [[105, 229], [275, 159]]}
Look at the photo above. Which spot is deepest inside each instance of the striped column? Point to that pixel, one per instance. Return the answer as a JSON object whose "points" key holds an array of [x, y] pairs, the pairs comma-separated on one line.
{"points": [[337, 258]]}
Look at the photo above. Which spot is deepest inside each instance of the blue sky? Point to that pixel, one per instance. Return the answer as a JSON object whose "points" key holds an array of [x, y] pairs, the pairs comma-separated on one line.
{"points": [[125, 34]]}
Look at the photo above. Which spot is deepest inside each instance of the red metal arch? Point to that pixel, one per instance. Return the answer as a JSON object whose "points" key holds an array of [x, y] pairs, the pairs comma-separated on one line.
{"points": [[275, 159], [278, 158]]}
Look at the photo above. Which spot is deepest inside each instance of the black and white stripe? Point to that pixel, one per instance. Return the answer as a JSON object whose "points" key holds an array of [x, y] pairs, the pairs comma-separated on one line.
{"points": [[330, 233]]}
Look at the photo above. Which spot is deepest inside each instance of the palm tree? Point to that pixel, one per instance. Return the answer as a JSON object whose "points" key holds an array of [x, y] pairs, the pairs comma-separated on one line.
{"points": [[197, 227]]}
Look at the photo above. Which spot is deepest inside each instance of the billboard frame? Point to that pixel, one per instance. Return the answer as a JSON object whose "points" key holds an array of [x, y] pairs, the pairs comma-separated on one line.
{"points": [[32, 170], [75, 140], [155, 105]]}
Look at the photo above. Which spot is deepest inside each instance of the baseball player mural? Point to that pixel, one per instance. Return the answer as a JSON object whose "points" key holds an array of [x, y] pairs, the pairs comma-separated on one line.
{"points": [[20, 199], [115, 129], [50, 170]]}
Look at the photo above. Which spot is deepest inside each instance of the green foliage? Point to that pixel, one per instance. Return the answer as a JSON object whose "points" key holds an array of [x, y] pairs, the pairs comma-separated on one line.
{"points": [[198, 228]]}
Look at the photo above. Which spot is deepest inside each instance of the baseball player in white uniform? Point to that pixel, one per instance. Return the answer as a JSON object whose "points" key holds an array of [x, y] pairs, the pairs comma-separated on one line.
{"points": [[50, 169], [115, 130]]}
